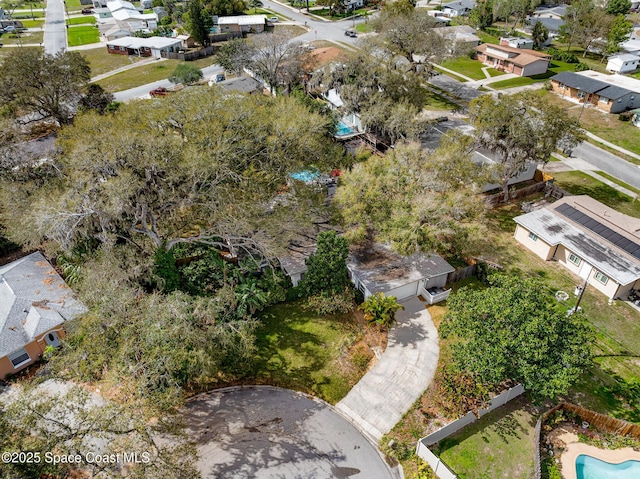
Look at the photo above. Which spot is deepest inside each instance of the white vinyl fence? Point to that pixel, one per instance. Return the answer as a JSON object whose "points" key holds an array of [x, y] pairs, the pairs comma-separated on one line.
{"points": [[438, 466]]}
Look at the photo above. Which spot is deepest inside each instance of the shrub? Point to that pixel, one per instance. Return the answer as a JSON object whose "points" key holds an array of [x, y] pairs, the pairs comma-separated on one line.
{"points": [[563, 56], [323, 304], [625, 116], [580, 67]]}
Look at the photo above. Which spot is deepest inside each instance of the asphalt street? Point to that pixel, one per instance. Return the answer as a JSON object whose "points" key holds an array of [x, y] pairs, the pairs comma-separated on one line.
{"points": [[55, 29], [609, 163], [262, 432]]}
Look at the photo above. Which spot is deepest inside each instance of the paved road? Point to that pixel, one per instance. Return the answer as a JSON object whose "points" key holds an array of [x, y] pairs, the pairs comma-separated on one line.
{"points": [[143, 90], [55, 30], [406, 368], [609, 163], [263, 432]]}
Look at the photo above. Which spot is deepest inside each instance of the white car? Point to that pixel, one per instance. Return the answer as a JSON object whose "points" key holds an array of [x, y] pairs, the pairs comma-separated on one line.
{"points": [[9, 29], [273, 19]]}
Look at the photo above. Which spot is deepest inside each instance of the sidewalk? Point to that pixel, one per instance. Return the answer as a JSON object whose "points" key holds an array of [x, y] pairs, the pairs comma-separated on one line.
{"points": [[406, 369], [611, 145]]}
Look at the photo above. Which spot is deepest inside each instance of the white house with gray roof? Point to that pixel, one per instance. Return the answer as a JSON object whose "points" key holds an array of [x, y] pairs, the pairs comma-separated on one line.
{"points": [[588, 238], [34, 304], [458, 8]]}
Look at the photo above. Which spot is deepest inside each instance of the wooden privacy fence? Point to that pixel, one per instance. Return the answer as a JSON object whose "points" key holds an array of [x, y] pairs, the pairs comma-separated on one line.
{"points": [[462, 273], [547, 187], [602, 422]]}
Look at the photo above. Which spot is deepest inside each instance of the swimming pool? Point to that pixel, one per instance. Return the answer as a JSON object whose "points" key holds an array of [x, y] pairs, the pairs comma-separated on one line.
{"points": [[588, 467], [343, 129], [306, 175]]}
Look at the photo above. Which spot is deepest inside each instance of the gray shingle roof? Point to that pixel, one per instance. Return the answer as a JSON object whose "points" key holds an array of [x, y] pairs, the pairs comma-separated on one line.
{"points": [[552, 24], [590, 85], [33, 300]]}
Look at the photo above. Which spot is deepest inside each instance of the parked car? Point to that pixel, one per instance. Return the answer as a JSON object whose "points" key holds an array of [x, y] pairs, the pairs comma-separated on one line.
{"points": [[351, 33], [9, 29], [273, 19], [160, 91], [87, 11]]}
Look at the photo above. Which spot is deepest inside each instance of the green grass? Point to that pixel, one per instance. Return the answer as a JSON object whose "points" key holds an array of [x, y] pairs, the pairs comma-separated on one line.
{"points": [[299, 350], [326, 13], [267, 12], [73, 5], [88, 19], [82, 35], [487, 38], [33, 23], [139, 76], [364, 28], [554, 68], [579, 183], [469, 67], [102, 61], [438, 102], [618, 182], [500, 444], [26, 38]]}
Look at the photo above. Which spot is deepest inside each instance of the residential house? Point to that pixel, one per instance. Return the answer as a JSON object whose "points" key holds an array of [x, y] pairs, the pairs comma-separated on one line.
{"points": [[632, 44], [558, 12], [458, 8], [610, 93], [552, 25], [144, 47], [623, 63], [121, 16], [378, 269], [517, 42], [513, 60], [34, 304], [241, 24], [590, 239], [460, 34], [146, 4]]}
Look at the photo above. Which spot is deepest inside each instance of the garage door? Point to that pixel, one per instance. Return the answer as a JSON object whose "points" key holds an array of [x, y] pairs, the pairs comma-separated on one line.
{"points": [[406, 291]]}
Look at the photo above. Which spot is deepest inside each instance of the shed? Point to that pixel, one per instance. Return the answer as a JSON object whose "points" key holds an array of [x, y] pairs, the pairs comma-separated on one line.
{"points": [[624, 63]]}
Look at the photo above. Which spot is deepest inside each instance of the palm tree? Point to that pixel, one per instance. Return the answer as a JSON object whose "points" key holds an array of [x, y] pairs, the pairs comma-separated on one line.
{"points": [[381, 309], [255, 4]]}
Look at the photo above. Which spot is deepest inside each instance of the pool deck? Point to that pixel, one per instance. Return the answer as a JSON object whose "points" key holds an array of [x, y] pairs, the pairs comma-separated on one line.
{"points": [[573, 450]]}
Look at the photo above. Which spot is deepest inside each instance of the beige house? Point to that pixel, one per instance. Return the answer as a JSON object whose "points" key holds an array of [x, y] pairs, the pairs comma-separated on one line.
{"points": [[34, 303], [593, 241], [518, 61]]}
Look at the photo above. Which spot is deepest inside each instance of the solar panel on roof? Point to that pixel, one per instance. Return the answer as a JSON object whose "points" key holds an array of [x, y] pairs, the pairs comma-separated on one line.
{"points": [[601, 230]]}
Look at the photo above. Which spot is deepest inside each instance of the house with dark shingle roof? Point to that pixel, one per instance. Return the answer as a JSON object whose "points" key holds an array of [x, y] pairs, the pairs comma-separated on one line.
{"points": [[518, 61], [598, 90], [34, 304], [590, 239], [458, 8]]}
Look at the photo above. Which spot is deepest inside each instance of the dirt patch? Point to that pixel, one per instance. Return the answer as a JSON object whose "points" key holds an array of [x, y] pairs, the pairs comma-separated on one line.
{"points": [[324, 55]]}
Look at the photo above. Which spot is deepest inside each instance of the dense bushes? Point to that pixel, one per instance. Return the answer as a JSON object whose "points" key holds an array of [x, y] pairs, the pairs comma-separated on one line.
{"points": [[563, 56]]}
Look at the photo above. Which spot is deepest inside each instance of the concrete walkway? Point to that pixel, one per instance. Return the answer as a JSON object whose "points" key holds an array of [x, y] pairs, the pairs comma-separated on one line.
{"points": [[406, 368]]}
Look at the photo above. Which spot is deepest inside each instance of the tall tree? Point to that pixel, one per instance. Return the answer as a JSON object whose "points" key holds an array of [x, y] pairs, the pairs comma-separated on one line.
{"points": [[193, 168], [594, 27], [415, 200], [255, 4], [539, 34], [199, 22], [226, 7], [515, 330], [40, 86], [96, 98], [571, 28], [619, 32], [327, 271], [481, 16], [618, 7], [521, 130]]}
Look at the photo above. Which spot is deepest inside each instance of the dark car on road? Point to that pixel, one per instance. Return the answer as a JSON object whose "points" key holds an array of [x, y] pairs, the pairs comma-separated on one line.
{"points": [[160, 91], [351, 33], [87, 11]]}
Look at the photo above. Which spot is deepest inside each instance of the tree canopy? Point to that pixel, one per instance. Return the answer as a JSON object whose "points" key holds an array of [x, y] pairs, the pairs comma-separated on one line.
{"points": [[39, 86], [513, 330], [185, 73], [327, 268], [521, 130], [198, 22], [618, 7], [415, 200], [192, 168]]}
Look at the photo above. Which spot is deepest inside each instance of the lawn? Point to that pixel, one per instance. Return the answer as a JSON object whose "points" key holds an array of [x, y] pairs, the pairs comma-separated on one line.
{"points": [[579, 183], [87, 19], [37, 23], [72, 5], [469, 67], [24, 38], [364, 28], [555, 68], [618, 182], [487, 38], [267, 12], [300, 350], [139, 76], [326, 13], [6, 51], [82, 35], [102, 61], [500, 444]]}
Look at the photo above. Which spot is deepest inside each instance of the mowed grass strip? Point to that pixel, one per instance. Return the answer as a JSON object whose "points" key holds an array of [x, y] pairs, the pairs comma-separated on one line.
{"points": [[87, 19], [139, 76], [82, 35], [500, 444]]}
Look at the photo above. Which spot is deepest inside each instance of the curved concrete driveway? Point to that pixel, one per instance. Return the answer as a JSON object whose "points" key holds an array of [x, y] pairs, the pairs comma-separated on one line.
{"points": [[406, 368], [265, 432]]}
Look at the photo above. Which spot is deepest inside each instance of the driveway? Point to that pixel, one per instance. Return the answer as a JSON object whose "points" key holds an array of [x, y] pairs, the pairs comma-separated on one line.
{"points": [[406, 368], [265, 432]]}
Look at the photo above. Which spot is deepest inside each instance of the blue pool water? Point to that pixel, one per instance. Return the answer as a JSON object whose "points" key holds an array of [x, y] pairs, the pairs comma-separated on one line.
{"points": [[344, 129], [588, 467], [307, 175]]}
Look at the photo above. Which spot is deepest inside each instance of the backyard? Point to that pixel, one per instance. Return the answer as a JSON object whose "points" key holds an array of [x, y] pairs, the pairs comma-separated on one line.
{"points": [[500, 444], [322, 355]]}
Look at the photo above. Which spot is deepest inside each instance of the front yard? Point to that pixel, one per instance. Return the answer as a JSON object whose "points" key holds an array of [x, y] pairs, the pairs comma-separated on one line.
{"points": [[470, 68], [82, 35], [322, 355], [555, 67]]}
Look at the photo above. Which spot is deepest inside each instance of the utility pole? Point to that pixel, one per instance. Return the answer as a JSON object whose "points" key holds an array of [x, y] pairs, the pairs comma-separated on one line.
{"points": [[584, 288]]}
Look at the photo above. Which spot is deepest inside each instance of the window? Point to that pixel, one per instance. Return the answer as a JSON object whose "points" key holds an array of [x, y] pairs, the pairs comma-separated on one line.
{"points": [[533, 237], [604, 100], [574, 259], [601, 277], [581, 94], [19, 357]]}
